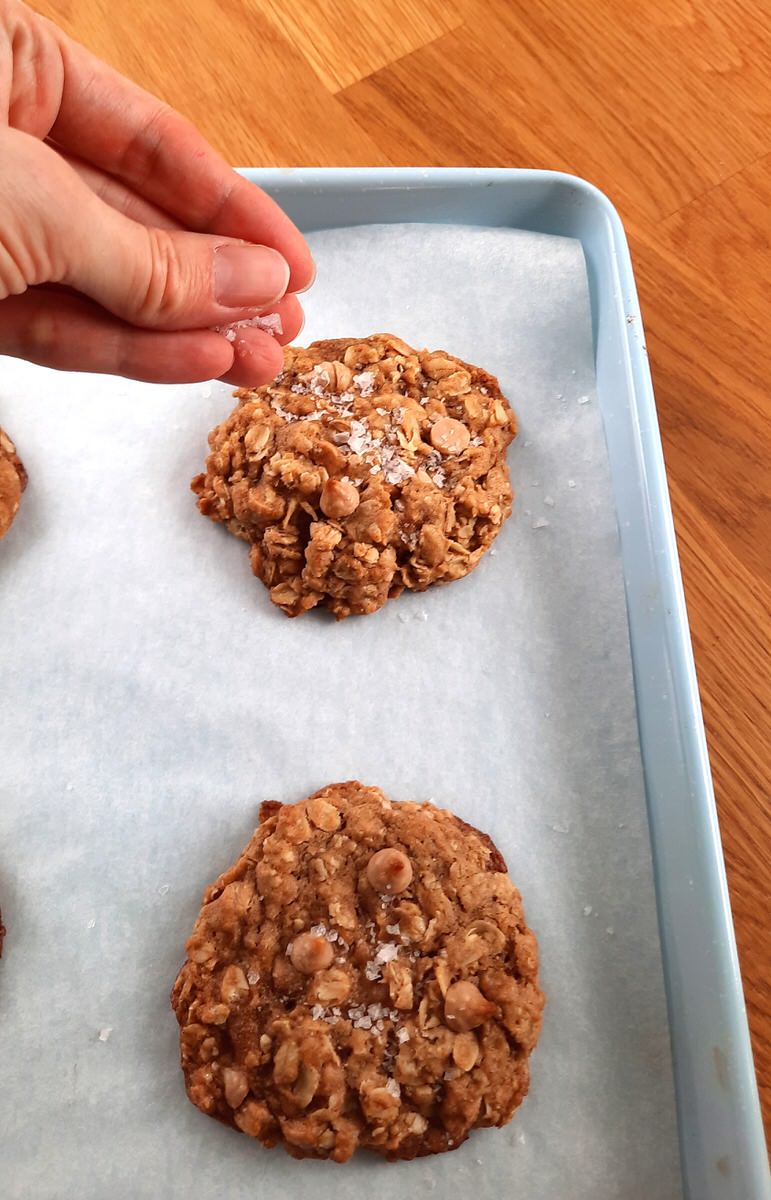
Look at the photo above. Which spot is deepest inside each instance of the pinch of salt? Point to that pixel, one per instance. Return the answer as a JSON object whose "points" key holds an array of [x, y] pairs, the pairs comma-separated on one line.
{"points": [[587, 910], [402, 1035], [583, 399], [104, 1034], [91, 923], [549, 500], [270, 323], [394, 929], [317, 1012], [571, 483], [540, 523], [252, 977], [393, 1088]]}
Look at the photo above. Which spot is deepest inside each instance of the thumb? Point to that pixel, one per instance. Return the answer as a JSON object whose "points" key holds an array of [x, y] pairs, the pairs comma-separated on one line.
{"points": [[53, 228]]}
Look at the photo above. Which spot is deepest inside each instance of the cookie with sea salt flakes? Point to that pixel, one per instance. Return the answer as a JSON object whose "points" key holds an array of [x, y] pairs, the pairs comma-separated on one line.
{"points": [[365, 468], [362, 976], [13, 480]]}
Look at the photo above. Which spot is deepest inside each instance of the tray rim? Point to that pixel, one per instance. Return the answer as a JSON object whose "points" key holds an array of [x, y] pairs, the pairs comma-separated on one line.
{"points": [[721, 1099]]}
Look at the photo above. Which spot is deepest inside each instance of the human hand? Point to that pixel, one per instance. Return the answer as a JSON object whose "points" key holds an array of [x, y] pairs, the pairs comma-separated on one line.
{"points": [[122, 231]]}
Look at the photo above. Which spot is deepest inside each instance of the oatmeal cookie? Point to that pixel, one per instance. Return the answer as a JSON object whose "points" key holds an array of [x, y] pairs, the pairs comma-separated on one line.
{"points": [[13, 480], [365, 468], [361, 977]]}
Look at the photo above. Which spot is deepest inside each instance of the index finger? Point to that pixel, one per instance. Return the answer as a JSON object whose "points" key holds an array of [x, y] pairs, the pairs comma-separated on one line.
{"points": [[124, 130]]}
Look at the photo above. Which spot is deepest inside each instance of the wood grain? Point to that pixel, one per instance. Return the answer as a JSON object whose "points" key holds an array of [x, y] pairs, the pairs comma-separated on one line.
{"points": [[667, 107]]}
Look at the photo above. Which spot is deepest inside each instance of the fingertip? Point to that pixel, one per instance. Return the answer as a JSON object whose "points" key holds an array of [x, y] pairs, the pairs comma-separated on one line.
{"points": [[292, 320], [257, 359], [303, 277]]}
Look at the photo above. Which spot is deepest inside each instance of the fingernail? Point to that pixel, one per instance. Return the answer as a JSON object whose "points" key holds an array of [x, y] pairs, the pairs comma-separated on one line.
{"points": [[249, 276]]}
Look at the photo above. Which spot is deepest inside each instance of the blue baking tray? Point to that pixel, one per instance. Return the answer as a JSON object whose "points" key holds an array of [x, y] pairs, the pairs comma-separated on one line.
{"points": [[722, 1147]]}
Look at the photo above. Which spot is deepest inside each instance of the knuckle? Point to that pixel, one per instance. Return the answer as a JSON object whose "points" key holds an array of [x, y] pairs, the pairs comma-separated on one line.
{"points": [[43, 337], [139, 160]]}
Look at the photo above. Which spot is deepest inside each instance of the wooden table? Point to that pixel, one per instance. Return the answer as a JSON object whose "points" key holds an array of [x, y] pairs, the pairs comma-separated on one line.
{"points": [[666, 106]]}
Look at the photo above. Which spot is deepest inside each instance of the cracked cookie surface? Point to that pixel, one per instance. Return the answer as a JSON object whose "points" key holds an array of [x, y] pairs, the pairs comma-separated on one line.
{"points": [[362, 976], [365, 468]]}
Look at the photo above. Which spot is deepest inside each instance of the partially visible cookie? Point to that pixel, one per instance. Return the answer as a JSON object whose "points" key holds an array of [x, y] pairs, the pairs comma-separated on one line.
{"points": [[365, 468], [13, 480], [362, 976]]}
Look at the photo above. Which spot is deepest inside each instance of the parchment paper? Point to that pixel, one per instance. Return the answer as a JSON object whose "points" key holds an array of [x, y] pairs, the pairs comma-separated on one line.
{"points": [[151, 697]]}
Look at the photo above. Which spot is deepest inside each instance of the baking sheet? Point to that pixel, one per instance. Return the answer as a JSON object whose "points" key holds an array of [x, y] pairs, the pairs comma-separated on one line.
{"points": [[152, 697]]}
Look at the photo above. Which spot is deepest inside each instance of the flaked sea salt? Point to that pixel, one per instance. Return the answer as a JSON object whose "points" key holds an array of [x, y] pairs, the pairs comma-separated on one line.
{"points": [[365, 382], [587, 910], [269, 322], [392, 1087], [549, 500], [252, 977], [571, 483], [393, 929], [540, 523], [402, 1035], [104, 1034]]}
